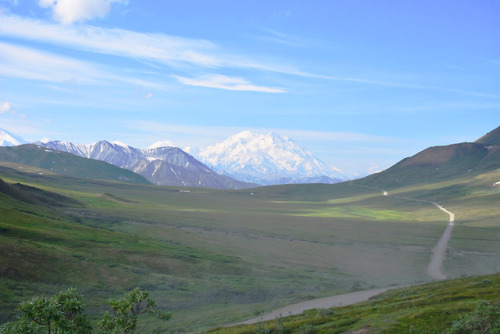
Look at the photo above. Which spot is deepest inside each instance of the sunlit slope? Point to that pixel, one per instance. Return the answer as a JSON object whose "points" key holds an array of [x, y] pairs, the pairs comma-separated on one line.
{"points": [[491, 138], [438, 163], [67, 164]]}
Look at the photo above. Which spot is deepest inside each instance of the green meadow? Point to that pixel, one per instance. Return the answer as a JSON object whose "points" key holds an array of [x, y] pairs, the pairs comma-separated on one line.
{"points": [[214, 257]]}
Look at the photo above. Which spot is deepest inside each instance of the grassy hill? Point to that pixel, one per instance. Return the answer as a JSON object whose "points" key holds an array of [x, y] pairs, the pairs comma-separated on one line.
{"points": [[439, 163], [491, 138], [428, 308], [66, 164]]}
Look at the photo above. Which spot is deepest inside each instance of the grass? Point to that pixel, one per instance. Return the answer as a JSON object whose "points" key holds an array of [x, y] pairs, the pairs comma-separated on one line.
{"points": [[214, 257], [428, 308]]}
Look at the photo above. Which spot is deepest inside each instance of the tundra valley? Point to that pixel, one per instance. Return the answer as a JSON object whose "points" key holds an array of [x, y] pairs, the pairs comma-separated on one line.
{"points": [[215, 257]]}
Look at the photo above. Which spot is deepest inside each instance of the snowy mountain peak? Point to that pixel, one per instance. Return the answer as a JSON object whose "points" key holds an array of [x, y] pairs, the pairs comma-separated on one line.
{"points": [[8, 139], [265, 159], [161, 165]]}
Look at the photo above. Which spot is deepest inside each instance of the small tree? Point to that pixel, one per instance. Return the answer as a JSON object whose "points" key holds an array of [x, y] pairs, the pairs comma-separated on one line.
{"points": [[125, 311], [484, 320], [62, 313]]}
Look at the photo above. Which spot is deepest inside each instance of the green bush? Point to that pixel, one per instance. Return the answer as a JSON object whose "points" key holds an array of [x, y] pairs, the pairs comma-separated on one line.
{"points": [[484, 320], [64, 313]]}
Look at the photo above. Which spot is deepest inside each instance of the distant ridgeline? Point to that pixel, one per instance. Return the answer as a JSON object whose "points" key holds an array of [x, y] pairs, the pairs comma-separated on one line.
{"points": [[442, 162]]}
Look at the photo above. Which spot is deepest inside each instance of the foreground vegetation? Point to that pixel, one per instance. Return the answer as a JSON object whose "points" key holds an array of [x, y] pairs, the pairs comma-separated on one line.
{"points": [[65, 313], [469, 305], [217, 257]]}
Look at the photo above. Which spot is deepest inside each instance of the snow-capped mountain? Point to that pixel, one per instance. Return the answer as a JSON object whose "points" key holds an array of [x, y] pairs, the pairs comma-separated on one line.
{"points": [[8, 139], [160, 165], [267, 159]]}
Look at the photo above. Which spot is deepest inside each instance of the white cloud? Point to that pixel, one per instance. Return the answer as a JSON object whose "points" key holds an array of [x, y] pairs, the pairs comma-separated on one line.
{"points": [[5, 107], [147, 95], [228, 83], [25, 63], [69, 11], [21, 62], [159, 48], [178, 52]]}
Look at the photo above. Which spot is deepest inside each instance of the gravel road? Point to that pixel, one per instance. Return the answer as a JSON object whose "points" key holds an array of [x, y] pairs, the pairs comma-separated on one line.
{"points": [[328, 302], [433, 269], [439, 251]]}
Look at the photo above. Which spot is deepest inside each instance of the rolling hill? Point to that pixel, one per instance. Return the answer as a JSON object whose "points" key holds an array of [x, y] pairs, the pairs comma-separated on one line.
{"points": [[491, 138], [441, 163]]}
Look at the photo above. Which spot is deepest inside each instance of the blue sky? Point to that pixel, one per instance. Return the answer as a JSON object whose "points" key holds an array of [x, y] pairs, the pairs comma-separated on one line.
{"points": [[361, 84]]}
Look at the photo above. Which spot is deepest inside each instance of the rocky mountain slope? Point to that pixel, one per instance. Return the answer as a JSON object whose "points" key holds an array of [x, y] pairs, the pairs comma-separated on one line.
{"points": [[168, 166]]}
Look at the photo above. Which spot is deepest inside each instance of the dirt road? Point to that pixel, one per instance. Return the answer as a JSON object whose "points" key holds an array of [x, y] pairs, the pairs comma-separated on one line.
{"points": [[439, 251], [433, 269], [328, 302]]}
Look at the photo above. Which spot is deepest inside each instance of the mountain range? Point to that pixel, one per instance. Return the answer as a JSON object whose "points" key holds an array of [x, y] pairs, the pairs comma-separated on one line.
{"points": [[270, 159], [243, 160], [169, 166]]}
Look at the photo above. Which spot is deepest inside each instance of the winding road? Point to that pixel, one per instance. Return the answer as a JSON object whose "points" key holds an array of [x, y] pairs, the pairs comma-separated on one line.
{"points": [[433, 269], [439, 251], [322, 303]]}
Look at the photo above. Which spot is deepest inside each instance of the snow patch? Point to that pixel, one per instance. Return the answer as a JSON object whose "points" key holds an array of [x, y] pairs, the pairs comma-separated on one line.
{"points": [[162, 143]]}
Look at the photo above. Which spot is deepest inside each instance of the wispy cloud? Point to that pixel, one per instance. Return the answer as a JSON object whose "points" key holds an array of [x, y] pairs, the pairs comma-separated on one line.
{"points": [[274, 36], [159, 48], [26, 63], [185, 54], [211, 134], [173, 51], [69, 11], [228, 83], [332, 136], [5, 107]]}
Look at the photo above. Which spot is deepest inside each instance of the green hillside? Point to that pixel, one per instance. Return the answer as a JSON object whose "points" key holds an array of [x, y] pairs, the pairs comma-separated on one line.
{"points": [[491, 138], [428, 308], [66, 164], [437, 164]]}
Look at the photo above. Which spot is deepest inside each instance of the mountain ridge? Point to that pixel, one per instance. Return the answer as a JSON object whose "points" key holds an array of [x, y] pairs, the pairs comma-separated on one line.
{"points": [[167, 166], [442, 163], [491, 138], [67, 164]]}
